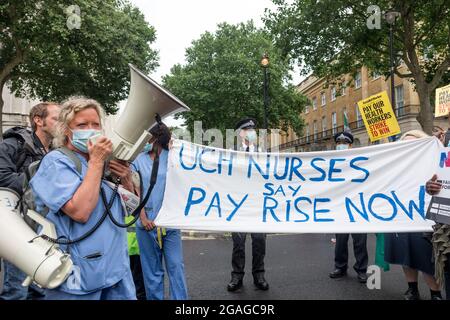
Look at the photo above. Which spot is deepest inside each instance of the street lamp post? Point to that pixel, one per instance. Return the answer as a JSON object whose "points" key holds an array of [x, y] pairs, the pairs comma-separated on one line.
{"points": [[391, 17], [265, 64]]}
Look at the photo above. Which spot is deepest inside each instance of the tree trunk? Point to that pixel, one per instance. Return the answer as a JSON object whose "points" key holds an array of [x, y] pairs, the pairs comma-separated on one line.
{"points": [[425, 116]]}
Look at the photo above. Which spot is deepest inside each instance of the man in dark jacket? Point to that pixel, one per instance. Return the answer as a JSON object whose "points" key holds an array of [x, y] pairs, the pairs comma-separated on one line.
{"points": [[19, 148], [247, 133]]}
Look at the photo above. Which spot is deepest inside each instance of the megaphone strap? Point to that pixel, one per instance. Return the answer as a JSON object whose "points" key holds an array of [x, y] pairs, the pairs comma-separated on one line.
{"points": [[136, 212], [158, 118]]}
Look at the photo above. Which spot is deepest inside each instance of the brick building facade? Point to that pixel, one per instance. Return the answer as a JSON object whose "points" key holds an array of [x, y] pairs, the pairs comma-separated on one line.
{"points": [[324, 116]]}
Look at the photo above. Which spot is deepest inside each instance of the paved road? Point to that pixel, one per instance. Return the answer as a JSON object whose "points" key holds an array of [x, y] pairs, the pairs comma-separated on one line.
{"points": [[297, 267]]}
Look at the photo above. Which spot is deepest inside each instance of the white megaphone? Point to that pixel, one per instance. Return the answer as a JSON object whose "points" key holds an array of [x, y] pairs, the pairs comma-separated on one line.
{"points": [[146, 99], [40, 259]]}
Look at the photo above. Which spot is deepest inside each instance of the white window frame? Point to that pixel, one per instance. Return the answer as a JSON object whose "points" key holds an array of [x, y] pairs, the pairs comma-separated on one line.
{"points": [[324, 125], [315, 130], [334, 122], [375, 76], [314, 103], [333, 93], [323, 99], [399, 103], [358, 80], [359, 119]]}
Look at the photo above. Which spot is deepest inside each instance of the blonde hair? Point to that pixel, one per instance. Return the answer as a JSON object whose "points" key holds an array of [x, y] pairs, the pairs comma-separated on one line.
{"points": [[418, 134], [69, 108]]}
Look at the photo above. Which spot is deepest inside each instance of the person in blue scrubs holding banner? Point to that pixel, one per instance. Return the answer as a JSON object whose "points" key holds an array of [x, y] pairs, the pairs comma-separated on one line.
{"points": [[101, 269], [158, 243]]}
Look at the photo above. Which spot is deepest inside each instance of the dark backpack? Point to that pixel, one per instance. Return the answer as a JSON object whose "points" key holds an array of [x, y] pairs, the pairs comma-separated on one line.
{"points": [[27, 200]]}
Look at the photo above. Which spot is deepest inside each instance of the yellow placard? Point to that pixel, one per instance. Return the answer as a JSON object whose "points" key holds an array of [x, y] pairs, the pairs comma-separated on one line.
{"points": [[442, 101], [378, 116]]}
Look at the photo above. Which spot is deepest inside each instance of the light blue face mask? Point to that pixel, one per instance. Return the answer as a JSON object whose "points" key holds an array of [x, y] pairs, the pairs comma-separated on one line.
{"points": [[80, 138], [342, 147], [148, 147], [251, 136]]}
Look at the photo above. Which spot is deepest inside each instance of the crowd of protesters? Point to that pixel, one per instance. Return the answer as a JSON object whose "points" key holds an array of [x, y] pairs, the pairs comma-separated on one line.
{"points": [[119, 263]]}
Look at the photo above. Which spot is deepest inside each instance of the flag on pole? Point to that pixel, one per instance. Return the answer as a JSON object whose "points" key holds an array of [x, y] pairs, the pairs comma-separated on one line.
{"points": [[346, 126]]}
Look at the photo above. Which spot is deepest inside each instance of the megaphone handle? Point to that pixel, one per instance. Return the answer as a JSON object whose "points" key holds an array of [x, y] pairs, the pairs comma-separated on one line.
{"points": [[27, 282], [48, 227], [158, 118]]}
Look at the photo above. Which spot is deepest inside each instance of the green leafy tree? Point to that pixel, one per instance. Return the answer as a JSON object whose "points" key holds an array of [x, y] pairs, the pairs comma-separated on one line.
{"points": [[222, 80], [51, 50], [332, 37]]}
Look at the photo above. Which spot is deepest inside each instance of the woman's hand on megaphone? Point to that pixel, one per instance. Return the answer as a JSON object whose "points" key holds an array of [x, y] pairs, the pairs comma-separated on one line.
{"points": [[100, 151], [122, 170]]}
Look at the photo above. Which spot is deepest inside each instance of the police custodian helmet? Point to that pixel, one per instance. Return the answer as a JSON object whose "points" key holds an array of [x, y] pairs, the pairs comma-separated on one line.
{"points": [[344, 136], [246, 123]]}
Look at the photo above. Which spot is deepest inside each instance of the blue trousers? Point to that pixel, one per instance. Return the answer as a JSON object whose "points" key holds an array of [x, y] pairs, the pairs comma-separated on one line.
{"points": [[12, 285], [122, 290], [152, 264]]}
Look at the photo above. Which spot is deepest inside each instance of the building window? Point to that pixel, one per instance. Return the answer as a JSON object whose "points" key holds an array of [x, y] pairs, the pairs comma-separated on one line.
{"points": [[333, 93], [334, 122], [323, 98], [314, 103], [307, 109], [358, 81], [375, 75], [343, 90], [399, 101], [359, 120], [307, 133], [315, 129], [324, 125]]}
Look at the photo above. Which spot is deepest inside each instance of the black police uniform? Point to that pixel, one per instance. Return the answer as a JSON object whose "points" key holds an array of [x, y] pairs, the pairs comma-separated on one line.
{"points": [[258, 243], [359, 241]]}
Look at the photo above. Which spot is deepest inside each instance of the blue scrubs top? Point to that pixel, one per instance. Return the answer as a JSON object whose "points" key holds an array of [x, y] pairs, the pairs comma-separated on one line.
{"points": [[101, 260], [144, 165]]}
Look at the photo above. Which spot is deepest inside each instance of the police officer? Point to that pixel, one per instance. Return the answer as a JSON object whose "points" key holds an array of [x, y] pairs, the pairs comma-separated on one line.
{"points": [[21, 147], [344, 140], [247, 133]]}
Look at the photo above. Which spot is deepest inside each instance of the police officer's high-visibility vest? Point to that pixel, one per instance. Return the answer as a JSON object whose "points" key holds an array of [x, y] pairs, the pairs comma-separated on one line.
{"points": [[133, 248]]}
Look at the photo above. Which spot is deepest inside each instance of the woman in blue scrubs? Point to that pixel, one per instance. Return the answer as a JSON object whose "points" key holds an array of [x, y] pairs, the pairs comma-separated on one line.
{"points": [[101, 269], [158, 243]]}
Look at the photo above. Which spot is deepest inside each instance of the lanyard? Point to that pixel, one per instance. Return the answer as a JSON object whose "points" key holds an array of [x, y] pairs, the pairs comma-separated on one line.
{"points": [[160, 233]]}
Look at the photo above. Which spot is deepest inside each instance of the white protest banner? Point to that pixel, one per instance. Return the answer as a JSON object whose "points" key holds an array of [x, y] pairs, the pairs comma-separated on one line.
{"points": [[439, 207], [379, 188]]}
